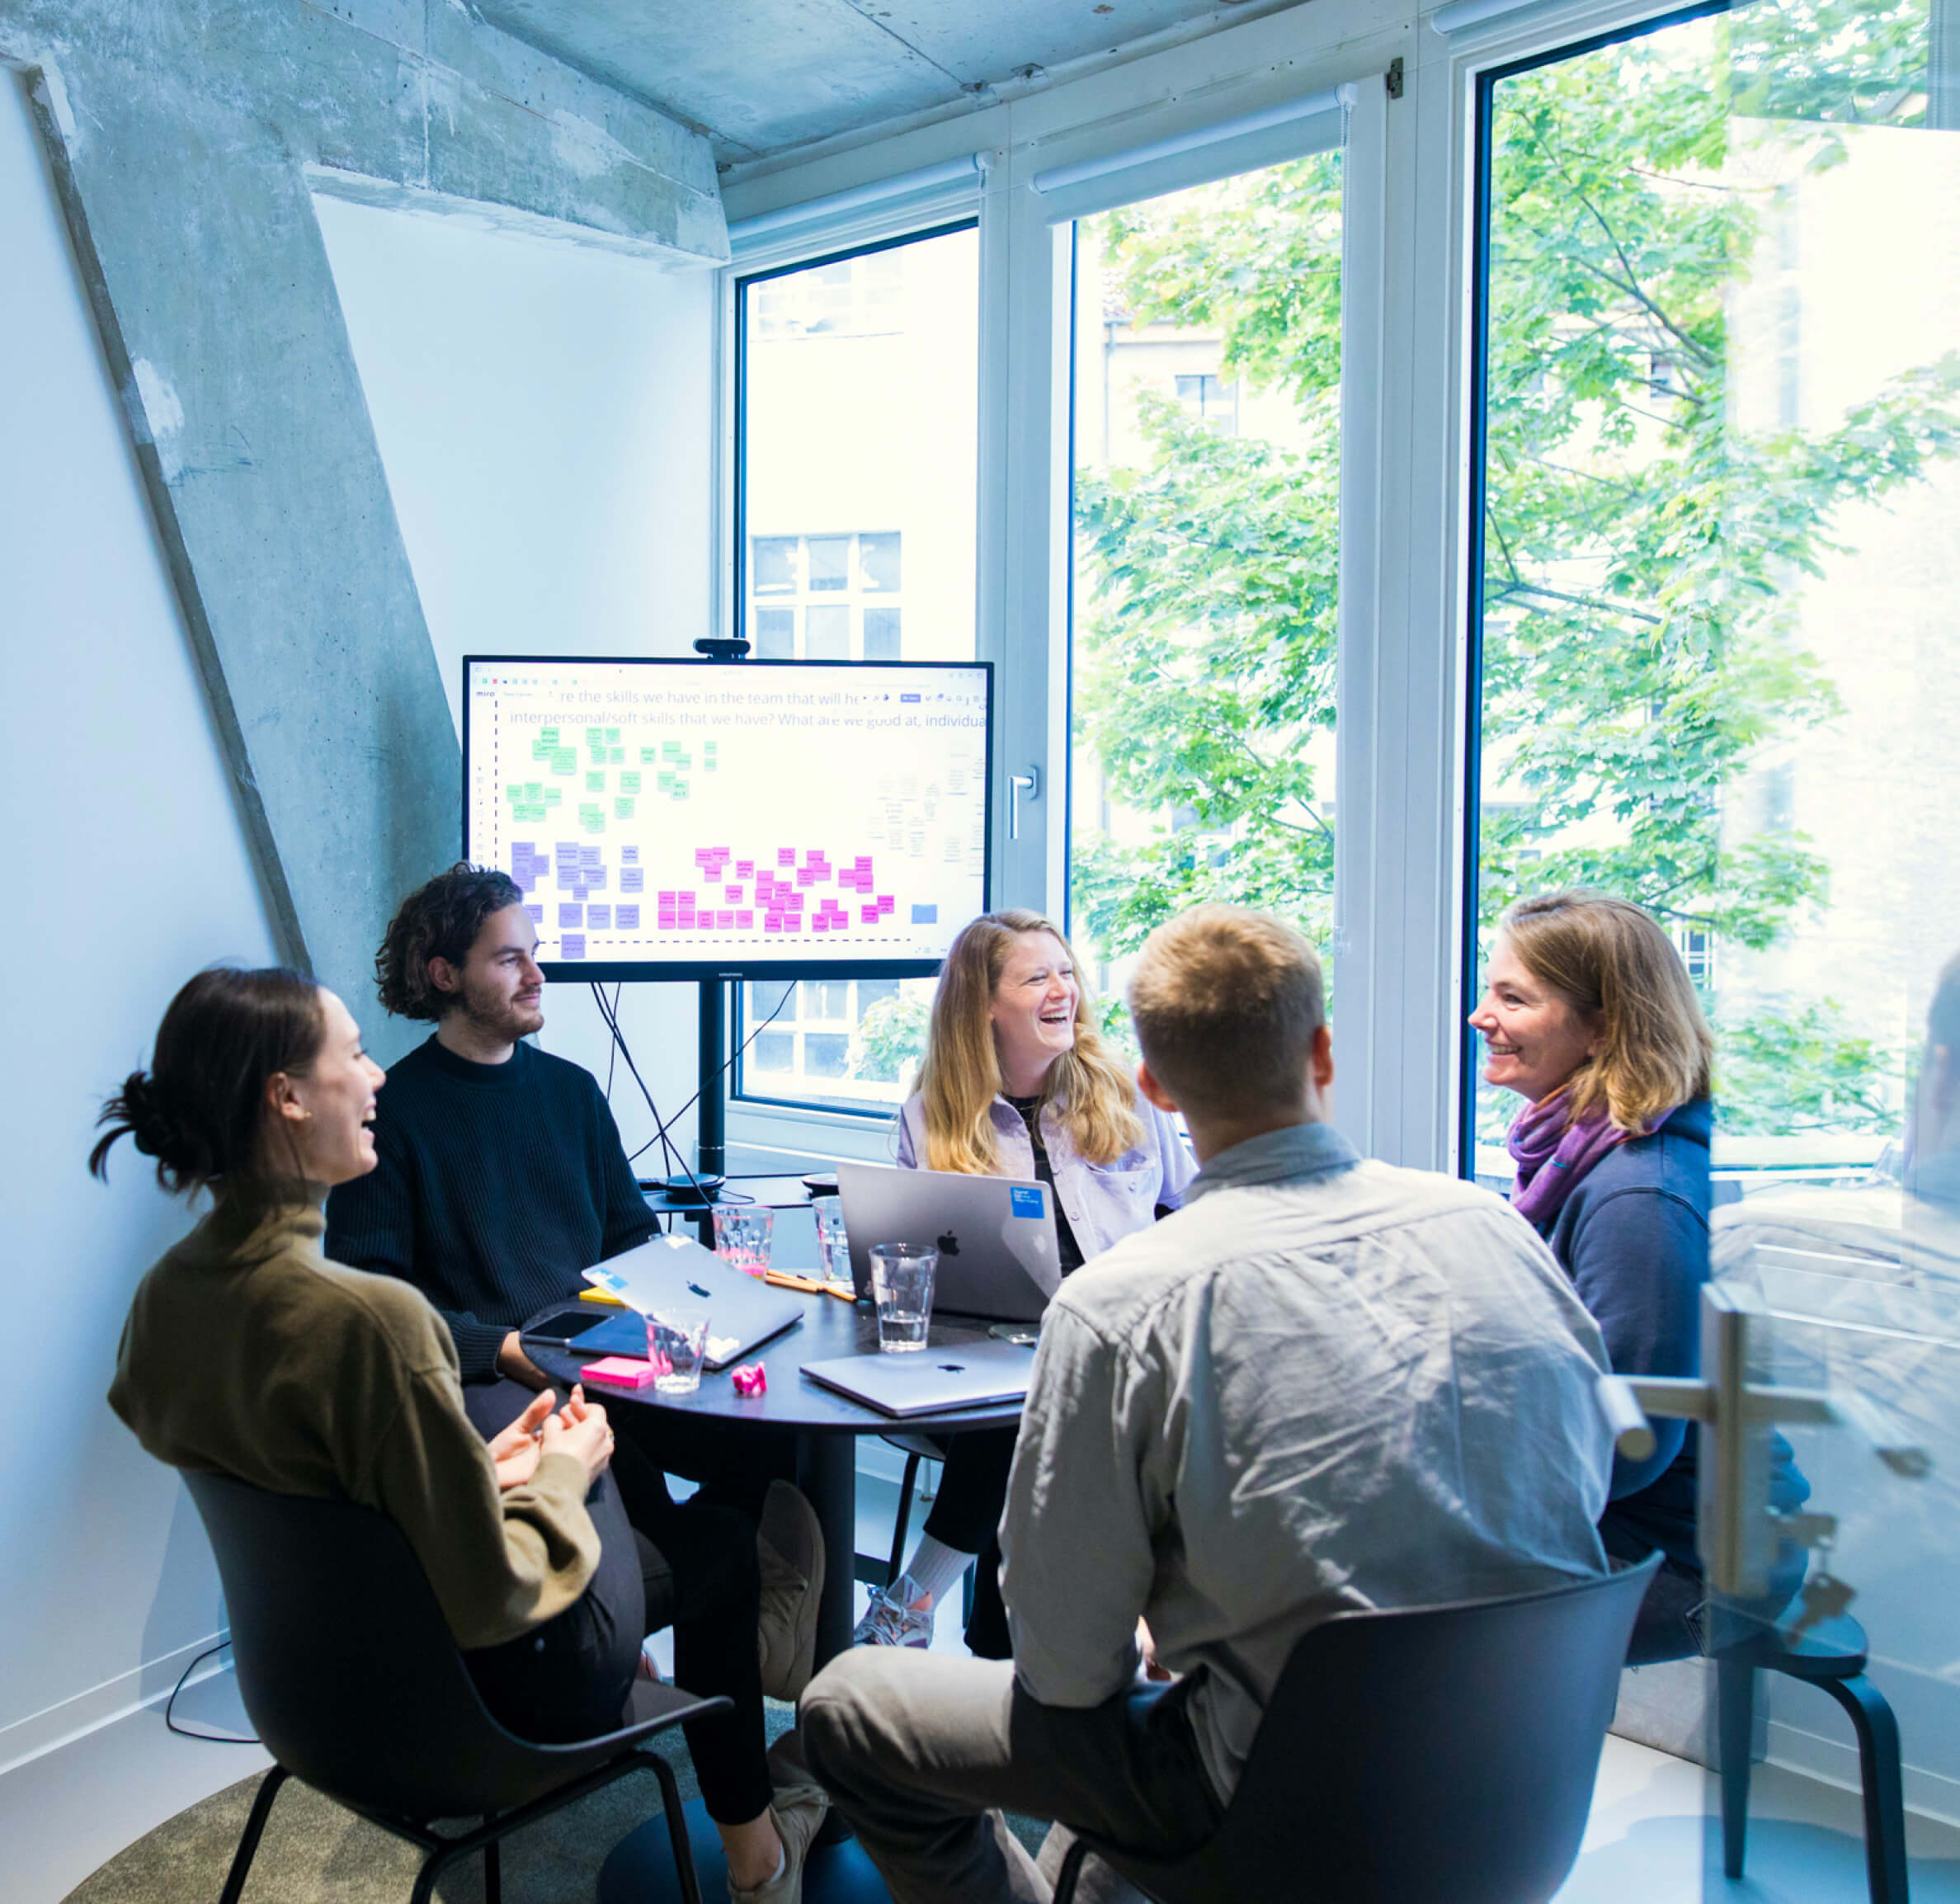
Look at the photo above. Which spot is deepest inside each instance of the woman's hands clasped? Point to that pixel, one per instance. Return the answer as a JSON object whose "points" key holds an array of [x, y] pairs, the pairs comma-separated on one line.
{"points": [[579, 1429]]}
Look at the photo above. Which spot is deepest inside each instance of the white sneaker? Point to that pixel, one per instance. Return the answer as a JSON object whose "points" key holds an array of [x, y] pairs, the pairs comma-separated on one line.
{"points": [[799, 1813], [900, 1615]]}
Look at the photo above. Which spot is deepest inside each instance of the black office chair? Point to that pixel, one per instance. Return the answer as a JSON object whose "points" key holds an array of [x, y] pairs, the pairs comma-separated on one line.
{"points": [[1428, 1755], [1831, 1655], [357, 1686]]}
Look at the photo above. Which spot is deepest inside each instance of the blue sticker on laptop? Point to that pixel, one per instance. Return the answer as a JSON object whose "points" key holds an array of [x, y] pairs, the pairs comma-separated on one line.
{"points": [[1022, 1202]]}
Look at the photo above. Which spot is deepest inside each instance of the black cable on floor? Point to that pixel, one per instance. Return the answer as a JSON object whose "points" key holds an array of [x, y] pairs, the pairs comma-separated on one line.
{"points": [[184, 1731]]}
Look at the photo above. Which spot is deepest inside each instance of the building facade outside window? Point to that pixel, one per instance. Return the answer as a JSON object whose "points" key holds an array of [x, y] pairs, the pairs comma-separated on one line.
{"points": [[858, 418]]}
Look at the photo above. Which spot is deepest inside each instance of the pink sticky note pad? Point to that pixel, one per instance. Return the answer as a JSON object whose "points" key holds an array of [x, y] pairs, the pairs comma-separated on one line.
{"points": [[622, 1371], [751, 1381]]}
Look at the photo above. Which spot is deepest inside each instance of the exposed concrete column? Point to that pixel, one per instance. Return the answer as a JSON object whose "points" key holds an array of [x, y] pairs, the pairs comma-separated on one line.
{"points": [[180, 137]]}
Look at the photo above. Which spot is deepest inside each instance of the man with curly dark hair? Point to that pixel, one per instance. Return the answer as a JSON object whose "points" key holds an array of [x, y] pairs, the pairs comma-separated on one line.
{"points": [[500, 1176]]}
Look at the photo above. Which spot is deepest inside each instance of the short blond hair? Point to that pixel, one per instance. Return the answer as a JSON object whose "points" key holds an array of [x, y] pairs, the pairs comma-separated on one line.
{"points": [[1226, 1002], [1614, 966]]}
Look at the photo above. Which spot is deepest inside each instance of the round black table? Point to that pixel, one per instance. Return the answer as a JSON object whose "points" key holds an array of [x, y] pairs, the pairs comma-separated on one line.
{"points": [[824, 1427]]}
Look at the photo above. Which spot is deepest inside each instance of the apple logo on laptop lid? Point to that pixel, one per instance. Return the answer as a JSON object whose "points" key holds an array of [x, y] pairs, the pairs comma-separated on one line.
{"points": [[948, 1245]]}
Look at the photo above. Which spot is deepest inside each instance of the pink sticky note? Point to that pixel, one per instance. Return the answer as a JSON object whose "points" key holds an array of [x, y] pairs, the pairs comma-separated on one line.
{"points": [[622, 1371], [750, 1380]]}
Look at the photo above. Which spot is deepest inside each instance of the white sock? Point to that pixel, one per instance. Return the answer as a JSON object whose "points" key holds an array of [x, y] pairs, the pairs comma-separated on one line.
{"points": [[937, 1567]]}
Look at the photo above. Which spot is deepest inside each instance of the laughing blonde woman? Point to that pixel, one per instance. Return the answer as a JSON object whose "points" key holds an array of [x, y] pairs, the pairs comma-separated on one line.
{"points": [[1018, 1083]]}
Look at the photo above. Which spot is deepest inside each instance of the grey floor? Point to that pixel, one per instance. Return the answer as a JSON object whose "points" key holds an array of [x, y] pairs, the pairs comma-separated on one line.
{"points": [[153, 1819]]}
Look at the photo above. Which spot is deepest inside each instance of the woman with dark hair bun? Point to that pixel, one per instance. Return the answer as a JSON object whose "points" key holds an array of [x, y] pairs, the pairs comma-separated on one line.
{"points": [[247, 1353]]}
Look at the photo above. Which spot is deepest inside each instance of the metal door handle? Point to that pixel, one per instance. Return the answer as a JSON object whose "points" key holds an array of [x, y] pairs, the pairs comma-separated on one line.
{"points": [[1030, 784]]}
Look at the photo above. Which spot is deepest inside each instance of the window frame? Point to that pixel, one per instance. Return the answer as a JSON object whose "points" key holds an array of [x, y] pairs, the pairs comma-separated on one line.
{"points": [[1486, 78], [1397, 951]]}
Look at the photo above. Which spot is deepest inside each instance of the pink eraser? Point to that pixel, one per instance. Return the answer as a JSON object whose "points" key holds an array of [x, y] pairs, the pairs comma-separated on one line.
{"points": [[751, 1380], [622, 1371]]}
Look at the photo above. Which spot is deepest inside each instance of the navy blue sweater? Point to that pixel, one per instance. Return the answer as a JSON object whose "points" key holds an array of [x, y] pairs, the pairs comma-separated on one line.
{"points": [[496, 1184], [1634, 1236]]}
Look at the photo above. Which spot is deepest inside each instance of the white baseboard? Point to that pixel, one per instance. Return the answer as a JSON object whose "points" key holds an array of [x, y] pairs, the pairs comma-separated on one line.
{"points": [[57, 1725], [106, 1770], [1834, 1762]]}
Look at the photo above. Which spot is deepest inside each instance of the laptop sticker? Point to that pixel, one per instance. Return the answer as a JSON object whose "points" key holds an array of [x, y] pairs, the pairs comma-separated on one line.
{"points": [[1023, 1201]]}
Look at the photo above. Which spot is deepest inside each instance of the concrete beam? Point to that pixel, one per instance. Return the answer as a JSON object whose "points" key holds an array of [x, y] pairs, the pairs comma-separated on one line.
{"points": [[181, 140]]}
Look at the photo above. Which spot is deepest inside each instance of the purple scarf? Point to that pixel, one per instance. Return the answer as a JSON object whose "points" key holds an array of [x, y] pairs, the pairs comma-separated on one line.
{"points": [[1552, 1156]]}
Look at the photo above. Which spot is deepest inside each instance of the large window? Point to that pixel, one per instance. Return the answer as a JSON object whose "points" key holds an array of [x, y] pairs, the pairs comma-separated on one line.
{"points": [[1719, 528], [1206, 520], [857, 425]]}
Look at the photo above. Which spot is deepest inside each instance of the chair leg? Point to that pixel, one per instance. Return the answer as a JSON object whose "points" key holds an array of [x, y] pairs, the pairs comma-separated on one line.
{"points": [[1734, 1696], [255, 1826], [676, 1823], [1071, 1872], [492, 1865], [1878, 1774], [904, 1522]]}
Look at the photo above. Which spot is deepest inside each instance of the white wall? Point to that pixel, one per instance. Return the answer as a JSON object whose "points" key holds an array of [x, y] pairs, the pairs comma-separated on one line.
{"points": [[544, 411], [133, 872]]}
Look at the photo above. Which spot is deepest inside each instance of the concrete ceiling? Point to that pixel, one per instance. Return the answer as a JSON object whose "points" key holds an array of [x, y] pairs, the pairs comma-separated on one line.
{"points": [[762, 76]]}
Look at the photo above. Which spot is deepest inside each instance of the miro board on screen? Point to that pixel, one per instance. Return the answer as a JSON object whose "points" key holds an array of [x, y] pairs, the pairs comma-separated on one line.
{"points": [[676, 816]]}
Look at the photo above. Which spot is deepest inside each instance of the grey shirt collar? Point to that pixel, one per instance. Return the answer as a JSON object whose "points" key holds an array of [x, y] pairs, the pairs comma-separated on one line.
{"points": [[1285, 1156]]}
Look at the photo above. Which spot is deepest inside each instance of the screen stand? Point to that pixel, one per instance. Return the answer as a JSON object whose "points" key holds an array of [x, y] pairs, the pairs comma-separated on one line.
{"points": [[711, 1147]]}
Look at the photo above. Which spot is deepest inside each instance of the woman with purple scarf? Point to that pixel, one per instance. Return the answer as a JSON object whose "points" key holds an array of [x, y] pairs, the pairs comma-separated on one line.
{"points": [[1589, 1014]]}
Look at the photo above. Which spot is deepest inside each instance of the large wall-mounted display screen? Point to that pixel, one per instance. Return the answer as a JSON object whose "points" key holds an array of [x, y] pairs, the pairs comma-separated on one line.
{"points": [[674, 819]]}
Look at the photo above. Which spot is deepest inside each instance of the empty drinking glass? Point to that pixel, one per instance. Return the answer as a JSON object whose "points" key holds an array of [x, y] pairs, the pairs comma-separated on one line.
{"points": [[676, 1343], [742, 1233], [833, 1246], [901, 1278]]}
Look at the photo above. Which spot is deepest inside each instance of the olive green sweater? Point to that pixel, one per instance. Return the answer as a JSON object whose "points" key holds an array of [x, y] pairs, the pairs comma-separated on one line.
{"points": [[247, 1353]]}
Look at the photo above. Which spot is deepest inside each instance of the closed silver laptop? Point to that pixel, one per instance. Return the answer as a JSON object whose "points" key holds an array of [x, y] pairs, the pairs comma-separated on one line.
{"points": [[929, 1381], [995, 1235], [675, 1272]]}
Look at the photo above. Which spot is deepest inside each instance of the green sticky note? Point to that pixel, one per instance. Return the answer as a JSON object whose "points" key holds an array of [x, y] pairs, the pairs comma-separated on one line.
{"points": [[533, 790], [548, 737], [629, 783], [622, 810], [648, 755], [540, 749], [680, 790], [554, 796], [663, 781], [513, 792], [565, 761], [616, 755], [612, 737], [595, 736], [595, 783]]}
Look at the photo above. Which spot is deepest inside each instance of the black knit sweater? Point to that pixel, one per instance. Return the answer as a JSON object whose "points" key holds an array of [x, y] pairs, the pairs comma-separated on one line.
{"points": [[496, 1184]]}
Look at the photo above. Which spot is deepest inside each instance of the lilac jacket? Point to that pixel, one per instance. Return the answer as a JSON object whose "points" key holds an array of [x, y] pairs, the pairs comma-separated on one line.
{"points": [[1103, 1201]]}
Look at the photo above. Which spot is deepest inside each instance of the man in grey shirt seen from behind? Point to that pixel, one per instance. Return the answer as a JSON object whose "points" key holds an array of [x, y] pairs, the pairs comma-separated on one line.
{"points": [[1323, 1384]]}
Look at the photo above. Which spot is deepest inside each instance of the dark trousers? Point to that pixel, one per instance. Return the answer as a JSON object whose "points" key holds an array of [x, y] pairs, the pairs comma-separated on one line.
{"points": [[1673, 1620], [692, 1567], [966, 1516]]}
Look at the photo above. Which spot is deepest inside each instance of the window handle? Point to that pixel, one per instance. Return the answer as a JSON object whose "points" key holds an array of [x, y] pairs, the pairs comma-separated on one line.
{"points": [[1030, 784]]}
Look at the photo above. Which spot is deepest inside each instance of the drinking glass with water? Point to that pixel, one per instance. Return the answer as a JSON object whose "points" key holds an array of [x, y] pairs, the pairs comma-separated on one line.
{"points": [[833, 1246], [742, 1234], [676, 1344], [902, 1279]]}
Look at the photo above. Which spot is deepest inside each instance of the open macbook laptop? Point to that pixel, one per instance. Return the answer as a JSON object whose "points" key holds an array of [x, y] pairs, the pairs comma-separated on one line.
{"points": [[929, 1381], [675, 1272], [996, 1237]]}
